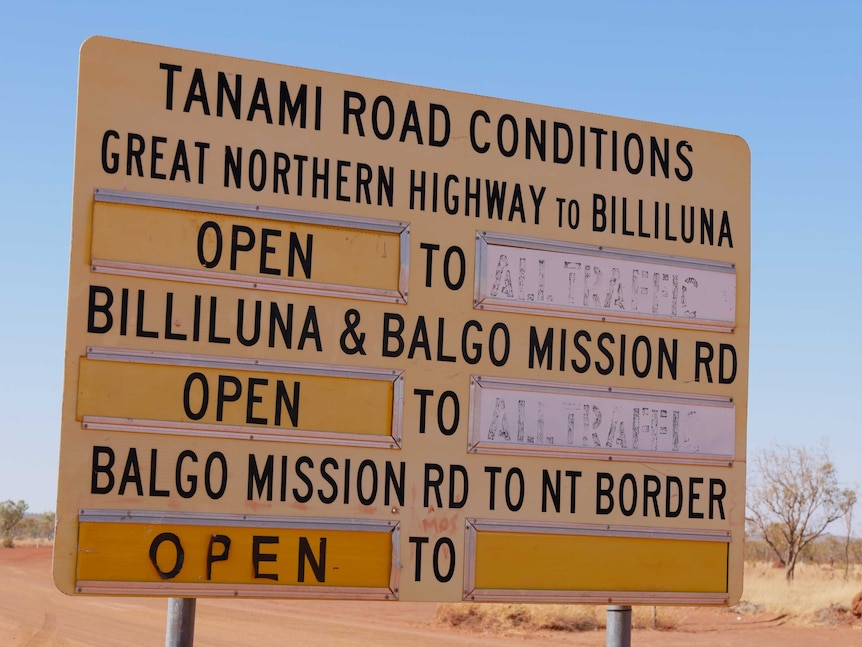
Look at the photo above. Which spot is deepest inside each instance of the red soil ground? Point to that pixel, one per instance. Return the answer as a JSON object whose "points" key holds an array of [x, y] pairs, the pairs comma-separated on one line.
{"points": [[33, 613]]}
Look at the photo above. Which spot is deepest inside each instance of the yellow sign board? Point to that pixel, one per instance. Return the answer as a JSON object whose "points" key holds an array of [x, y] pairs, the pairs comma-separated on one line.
{"points": [[233, 400], [283, 558], [252, 252], [596, 564], [330, 336]]}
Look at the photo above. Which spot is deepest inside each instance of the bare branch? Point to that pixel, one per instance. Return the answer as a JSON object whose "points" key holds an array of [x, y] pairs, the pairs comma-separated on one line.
{"points": [[793, 498]]}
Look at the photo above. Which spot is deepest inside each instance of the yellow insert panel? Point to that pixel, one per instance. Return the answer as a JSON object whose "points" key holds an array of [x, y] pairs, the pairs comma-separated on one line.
{"points": [[550, 562], [254, 248], [133, 552], [214, 396]]}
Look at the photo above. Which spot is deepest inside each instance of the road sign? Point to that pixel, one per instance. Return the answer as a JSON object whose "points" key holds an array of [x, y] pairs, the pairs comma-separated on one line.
{"points": [[336, 337]]}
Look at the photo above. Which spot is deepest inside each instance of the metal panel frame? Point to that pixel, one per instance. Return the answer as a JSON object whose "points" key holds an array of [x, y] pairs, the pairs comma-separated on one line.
{"points": [[472, 594], [391, 441], [483, 301], [476, 445], [246, 590], [144, 270]]}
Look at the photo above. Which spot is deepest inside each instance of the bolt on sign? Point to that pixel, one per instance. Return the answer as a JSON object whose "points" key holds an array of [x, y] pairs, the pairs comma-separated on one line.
{"points": [[333, 337]]}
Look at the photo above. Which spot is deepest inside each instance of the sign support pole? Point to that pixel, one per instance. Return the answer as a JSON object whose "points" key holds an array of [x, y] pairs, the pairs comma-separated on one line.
{"points": [[619, 626], [180, 630]]}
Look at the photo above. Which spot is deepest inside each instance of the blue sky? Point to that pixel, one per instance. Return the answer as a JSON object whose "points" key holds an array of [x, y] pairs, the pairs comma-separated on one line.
{"points": [[785, 76]]}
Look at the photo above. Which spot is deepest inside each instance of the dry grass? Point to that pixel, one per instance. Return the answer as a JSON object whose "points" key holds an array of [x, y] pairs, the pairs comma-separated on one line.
{"points": [[524, 618], [31, 541], [659, 618], [819, 595], [510, 618], [816, 596]]}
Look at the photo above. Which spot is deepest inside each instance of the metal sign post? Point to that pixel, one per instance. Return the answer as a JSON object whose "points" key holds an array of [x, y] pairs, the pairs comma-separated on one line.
{"points": [[180, 629], [619, 626]]}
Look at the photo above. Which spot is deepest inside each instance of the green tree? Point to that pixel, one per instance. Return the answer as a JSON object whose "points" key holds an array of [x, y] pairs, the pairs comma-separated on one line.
{"points": [[11, 514], [47, 521], [792, 498]]}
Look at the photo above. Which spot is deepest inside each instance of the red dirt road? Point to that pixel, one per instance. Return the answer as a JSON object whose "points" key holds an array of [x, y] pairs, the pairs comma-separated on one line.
{"points": [[33, 613]]}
